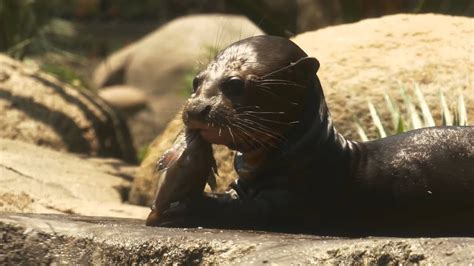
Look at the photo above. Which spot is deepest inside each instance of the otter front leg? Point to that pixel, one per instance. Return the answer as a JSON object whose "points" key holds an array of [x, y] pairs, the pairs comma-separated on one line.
{"points": [[269, 209]]}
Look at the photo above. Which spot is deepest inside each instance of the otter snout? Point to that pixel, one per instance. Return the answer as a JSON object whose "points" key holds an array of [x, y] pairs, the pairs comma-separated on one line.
{"points": [[196, 111]]}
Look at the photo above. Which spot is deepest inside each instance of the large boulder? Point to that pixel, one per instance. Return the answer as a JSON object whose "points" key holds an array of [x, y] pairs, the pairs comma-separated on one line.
{"points": [[359, 62], [40, 180], [37, 108], [158, 62], [125, 98], [163, 62]]}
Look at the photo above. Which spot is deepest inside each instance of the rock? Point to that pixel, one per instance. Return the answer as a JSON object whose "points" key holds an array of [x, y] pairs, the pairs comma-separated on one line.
{"points": [[40, 180], [37, 108], [360, 61], [124, 97], [71, 239], [163, 62], [158, 62], [146, 180], [149, 122]]}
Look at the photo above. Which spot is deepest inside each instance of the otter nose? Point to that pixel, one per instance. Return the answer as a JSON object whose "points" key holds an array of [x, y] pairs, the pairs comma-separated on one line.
{"points": [[198, 111]]}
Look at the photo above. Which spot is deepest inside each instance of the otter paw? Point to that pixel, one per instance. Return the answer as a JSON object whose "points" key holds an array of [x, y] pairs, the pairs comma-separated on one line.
{"points": [[179, 214]]}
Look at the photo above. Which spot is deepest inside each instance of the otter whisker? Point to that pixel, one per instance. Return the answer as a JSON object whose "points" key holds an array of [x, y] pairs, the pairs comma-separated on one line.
{"points": [[257, 127], [248, 137], [232, 135], [256, 112], [230, 124], [276, 71], [256, 123], [280, 123], [267, 90], [277, 80], [270, 120], [261, 129], [281, 83], [243, 107], [262, 80], [266, 145]]}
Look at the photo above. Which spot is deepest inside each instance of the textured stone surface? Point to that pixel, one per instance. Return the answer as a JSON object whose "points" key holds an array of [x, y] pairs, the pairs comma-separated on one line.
{"points": [[37, 108], [69, 239], [40, 180]]}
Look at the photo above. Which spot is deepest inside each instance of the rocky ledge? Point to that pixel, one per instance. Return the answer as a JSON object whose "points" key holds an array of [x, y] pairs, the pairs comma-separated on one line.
{"points": [[71, 239]]}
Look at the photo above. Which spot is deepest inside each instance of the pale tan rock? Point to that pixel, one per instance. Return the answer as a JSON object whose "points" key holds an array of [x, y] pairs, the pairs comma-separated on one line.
{"points": [[148, 123], [124, 97], [40, 180], [158, 62], [360, 61]]}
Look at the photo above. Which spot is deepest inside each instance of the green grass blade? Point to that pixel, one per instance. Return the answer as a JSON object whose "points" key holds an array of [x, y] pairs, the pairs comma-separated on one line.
{"points": [[462, 112], [376, 120], [445, 113], [411, 110], [393, 109], [401, 127], [427, 116], [361, 132], [455, 117]]}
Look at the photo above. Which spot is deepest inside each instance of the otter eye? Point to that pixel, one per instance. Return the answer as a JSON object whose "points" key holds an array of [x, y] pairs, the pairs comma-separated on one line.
{"points": [[195, 84], [234, 86]]}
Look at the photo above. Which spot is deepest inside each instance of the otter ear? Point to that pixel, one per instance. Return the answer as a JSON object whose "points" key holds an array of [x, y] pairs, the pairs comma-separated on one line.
{"points": [[303, 69], [310, 64]]}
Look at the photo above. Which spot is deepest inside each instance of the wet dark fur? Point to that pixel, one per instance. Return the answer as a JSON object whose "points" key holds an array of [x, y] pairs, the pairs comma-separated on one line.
{"points": [[298, 174]]}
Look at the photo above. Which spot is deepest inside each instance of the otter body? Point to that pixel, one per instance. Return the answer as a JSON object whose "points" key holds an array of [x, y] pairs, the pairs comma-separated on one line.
{"points": [[261, 97]]}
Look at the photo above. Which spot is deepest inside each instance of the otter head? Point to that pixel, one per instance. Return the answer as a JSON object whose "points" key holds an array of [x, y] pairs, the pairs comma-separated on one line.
{"points": [[252, 94]]}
